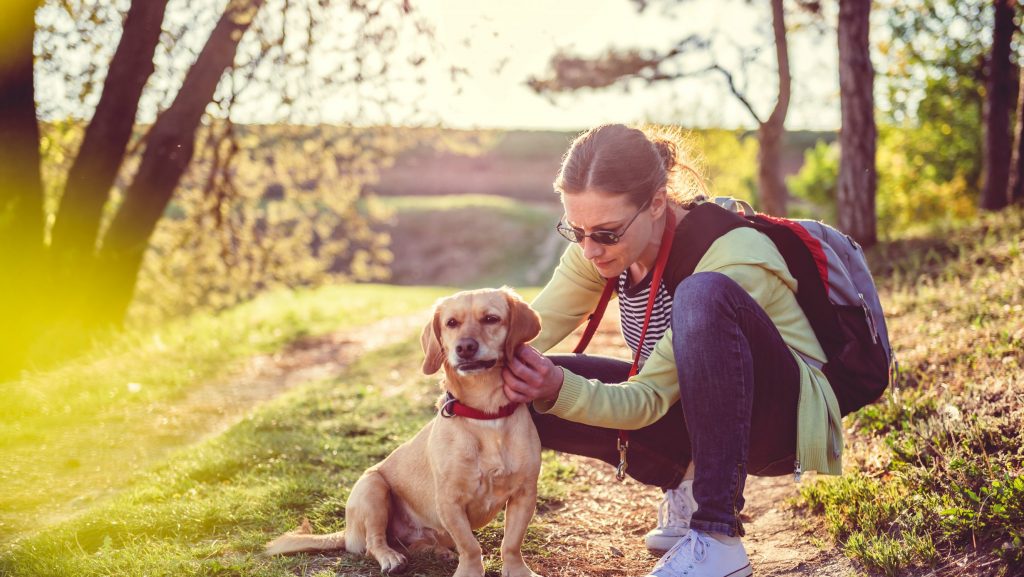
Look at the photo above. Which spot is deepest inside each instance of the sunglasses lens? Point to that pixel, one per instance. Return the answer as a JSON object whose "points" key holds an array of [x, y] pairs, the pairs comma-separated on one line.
{"points": [[568, 233], [604, 237]]}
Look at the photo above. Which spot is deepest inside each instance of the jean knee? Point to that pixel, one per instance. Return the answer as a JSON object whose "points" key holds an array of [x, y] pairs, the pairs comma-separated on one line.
{"points": [[701, 300]]}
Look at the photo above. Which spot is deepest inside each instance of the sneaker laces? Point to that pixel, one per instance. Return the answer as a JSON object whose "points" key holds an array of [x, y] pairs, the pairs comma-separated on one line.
{"points": [[694, 546], [674, 510]]}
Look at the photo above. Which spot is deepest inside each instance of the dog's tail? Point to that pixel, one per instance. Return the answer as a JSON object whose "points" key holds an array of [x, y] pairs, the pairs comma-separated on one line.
{"points": [[303, 539]]}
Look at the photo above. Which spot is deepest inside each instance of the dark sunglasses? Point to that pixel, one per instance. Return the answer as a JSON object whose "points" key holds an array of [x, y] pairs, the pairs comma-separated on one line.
{"points": [[605, 237]]}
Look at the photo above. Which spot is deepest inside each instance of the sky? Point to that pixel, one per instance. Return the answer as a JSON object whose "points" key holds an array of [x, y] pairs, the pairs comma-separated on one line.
{"points": [[502, 44], [522, 36]]}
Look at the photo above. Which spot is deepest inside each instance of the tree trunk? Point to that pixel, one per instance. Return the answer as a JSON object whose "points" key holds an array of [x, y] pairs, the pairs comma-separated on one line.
{"points": [[169, 150], [106, 139], [774, 194], [1001, 90], [21, 187], [1015, 190], [21, 182], [770, 181], [855, 204]]}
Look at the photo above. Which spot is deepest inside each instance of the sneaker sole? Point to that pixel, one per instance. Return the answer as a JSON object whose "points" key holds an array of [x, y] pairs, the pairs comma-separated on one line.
{"points": [[742, 572]]}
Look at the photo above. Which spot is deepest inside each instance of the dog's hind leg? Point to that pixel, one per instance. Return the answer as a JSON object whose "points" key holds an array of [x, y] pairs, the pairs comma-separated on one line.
{"points": [[367, 512]]}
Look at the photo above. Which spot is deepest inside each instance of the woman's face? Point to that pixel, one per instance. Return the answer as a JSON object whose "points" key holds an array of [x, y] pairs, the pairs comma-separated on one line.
{"points": [[593, 210]]}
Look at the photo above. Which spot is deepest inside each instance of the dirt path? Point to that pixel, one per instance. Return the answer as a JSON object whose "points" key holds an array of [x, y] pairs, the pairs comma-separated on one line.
{"points": [[310, 359], [600, 532]]}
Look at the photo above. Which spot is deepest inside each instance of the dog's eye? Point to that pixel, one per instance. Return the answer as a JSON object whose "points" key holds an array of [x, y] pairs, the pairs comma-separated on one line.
{"points": [[491, 319], [451, 323]]}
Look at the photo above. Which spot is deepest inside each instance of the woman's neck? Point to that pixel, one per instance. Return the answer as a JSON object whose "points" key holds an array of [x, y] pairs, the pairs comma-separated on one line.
{"points": [[639, 269]]}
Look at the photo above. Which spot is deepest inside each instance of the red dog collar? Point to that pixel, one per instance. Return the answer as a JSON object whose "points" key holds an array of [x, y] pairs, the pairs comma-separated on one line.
{"points": [[452, 407]]}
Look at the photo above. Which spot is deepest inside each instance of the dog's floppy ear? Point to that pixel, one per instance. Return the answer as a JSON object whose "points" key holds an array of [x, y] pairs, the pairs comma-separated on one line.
{"points": [[430, 340], [523, 322]]}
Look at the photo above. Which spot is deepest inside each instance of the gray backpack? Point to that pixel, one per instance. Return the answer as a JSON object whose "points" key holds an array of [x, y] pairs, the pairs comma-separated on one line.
{"points": [[834, 288]]}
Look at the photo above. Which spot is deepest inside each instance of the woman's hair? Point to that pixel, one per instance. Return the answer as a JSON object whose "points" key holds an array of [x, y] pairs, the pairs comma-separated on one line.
{"points": [[636, 162]]}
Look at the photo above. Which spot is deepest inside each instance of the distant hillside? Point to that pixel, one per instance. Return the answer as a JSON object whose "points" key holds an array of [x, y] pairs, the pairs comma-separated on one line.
{"points": [[518, 164]]}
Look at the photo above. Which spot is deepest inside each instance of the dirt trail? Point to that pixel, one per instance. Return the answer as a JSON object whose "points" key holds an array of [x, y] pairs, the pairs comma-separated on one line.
{"points": [[264, 377], [600, 532]]}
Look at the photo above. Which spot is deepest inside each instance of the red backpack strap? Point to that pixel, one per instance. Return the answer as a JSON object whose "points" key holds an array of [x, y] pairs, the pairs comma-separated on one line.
{"points": [[595, 317]]}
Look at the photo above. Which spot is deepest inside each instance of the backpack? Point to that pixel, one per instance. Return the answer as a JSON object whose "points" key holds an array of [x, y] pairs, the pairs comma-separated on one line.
{"points": [[834, 288]]}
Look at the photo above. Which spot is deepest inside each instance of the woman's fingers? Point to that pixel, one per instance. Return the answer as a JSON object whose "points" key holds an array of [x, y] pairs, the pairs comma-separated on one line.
{"points": [[517, 390], [530, 376]]}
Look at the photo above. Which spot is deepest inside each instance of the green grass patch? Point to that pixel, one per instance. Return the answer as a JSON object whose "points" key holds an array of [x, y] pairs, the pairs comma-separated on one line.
{"points": [[72, 435], [936, 468], [211, 507]]}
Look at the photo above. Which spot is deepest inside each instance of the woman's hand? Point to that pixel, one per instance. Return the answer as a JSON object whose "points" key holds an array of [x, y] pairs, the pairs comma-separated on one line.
{"points": [[530, 375]]}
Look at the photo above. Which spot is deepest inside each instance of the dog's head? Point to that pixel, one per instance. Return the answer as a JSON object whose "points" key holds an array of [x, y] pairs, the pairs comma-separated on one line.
{"points": [[474, 331]]}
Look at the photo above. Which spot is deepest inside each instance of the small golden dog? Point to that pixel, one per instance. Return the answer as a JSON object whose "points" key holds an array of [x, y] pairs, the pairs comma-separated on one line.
{"points": [[480, 454]]}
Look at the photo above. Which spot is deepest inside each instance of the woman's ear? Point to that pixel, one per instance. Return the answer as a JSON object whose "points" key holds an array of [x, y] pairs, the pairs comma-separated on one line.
{"points": [[433, 353], [523, 323], [659, 203]]}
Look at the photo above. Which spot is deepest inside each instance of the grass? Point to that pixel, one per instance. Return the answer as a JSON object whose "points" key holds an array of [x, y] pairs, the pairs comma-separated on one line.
{"points": [[72, 435], [210, 508], [935, 471]]}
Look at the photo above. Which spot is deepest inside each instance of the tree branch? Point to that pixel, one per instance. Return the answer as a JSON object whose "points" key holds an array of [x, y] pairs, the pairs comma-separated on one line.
{"points": [[736, 92]]}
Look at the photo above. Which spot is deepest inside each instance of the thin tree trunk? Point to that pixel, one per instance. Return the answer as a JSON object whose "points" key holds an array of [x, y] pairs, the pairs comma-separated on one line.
{"points": [[774, 194], [769, 170], [106, 139], [998, 139], [858, 138], [169, 150], [21, 188], [1015, 189]]}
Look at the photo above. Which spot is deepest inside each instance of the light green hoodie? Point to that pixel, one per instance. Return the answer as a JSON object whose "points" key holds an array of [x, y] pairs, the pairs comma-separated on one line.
{"points": [[747, 257]]}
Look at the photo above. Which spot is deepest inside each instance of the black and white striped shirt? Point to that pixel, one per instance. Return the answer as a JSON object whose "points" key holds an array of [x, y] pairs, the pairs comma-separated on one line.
{"points": [[633, 306]]}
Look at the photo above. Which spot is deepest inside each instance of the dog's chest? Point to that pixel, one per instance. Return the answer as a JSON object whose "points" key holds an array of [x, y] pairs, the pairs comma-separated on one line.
{"points": [[499, 474]]}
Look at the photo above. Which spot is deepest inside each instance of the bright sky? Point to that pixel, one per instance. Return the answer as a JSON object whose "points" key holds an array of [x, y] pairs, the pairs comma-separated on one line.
{"points": [[504, 43]]}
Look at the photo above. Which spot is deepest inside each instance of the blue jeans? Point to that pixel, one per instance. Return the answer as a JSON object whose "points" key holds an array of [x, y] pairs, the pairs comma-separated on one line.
{"points": [[739, 387]]}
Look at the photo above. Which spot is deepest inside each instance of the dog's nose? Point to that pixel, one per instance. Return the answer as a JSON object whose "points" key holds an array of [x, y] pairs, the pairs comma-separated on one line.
{"points": [[466, 348]]}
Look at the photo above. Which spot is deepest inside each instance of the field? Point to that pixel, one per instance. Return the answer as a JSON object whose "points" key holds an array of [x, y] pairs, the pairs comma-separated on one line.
{"points": [[181, 450]]}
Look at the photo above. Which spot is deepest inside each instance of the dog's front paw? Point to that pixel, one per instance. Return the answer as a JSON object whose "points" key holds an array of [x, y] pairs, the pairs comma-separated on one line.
{"points": [[474, 568], [512, 565], [518, 571], [391, 561]]}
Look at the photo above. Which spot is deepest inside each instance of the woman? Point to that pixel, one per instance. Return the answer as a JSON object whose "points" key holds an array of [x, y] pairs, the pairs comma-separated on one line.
{"points": [[729, 383]]}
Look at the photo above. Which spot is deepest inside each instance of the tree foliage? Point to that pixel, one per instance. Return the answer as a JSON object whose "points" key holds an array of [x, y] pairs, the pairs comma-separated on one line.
{"points": [[934, 87], [259, 207]]}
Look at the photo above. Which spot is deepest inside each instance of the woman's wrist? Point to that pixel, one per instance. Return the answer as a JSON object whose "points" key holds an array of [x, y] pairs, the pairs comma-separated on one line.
{"points": [[558, 379]]}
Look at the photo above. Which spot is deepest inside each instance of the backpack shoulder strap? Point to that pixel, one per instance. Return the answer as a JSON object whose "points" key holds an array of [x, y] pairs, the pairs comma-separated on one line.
{"points": [[695, 234], [795, 246]]}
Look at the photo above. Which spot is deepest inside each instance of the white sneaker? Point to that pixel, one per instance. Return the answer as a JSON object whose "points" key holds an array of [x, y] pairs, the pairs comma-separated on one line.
{"points": [[699, 555], [674, 515]]}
